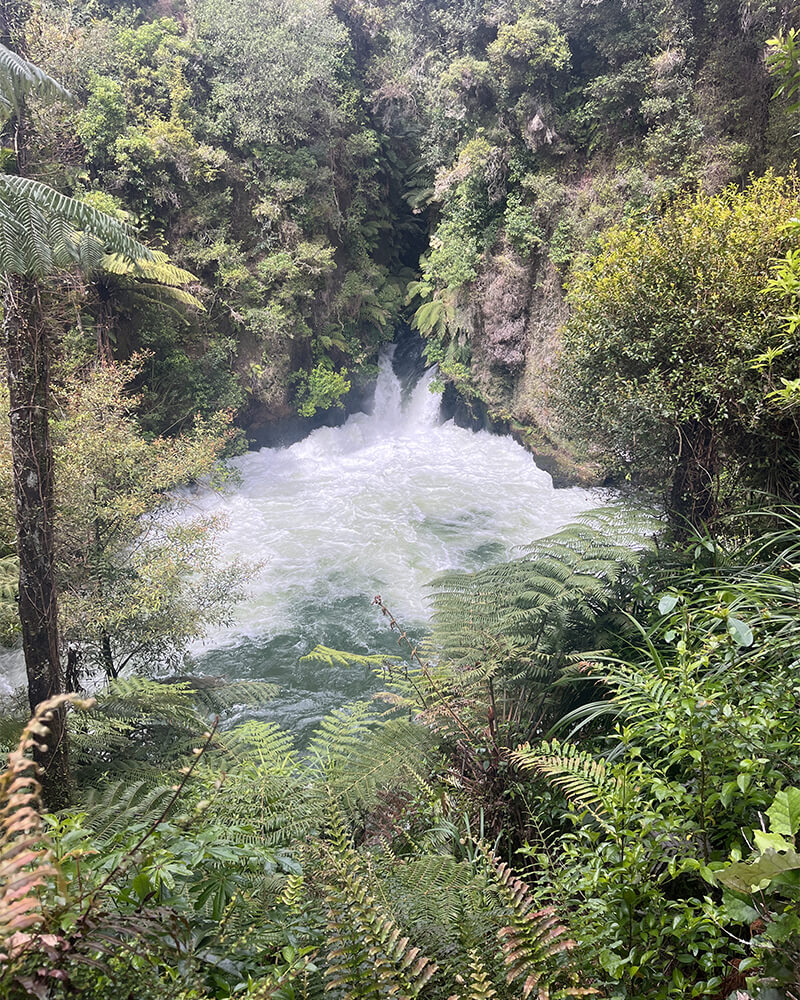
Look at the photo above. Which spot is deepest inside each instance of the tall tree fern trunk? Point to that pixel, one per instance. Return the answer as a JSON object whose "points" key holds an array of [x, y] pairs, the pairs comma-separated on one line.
{"points": [[29, 390]]}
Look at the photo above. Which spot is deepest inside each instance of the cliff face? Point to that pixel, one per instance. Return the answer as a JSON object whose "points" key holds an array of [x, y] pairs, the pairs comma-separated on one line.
{"points": [[514, 318]]}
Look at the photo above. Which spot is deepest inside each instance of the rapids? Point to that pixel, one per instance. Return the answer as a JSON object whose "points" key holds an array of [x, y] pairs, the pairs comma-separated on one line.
{"points": [[379, 505]]}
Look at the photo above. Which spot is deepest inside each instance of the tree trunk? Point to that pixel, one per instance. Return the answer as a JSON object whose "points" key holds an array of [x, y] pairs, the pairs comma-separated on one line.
{"points": [[108, 658], [32, 456], [692, 502]]}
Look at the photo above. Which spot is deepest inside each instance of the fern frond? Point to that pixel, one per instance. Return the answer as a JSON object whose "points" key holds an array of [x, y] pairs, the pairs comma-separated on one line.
{"points": [[535, 943], [327, 657], [588, 782], [366, 954], [9, 579], [141, 701], [340, 734], [479, 986], [267, 789], [389, 757], [432, 892], [26, 861], [19, 79], [114, 810], [530, 609], [42, 230], [215, 695], [263, 744], [157, 275]]}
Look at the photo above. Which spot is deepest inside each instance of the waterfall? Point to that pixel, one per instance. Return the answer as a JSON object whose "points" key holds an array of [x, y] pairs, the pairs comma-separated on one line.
{"points": [[380, 504]]}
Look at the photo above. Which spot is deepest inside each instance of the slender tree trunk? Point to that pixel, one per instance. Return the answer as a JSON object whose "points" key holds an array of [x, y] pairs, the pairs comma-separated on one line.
{"points": [[693, 496], [104, 323], [108, 658], [32, 456]]}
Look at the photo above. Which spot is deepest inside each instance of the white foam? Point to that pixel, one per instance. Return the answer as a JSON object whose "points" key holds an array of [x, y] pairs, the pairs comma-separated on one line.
{"points": [[381, 504]]}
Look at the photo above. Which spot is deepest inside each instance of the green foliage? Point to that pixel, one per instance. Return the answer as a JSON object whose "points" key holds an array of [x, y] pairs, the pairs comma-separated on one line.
{"points": [[103, 119], [359, 865], [9, 585], [528, 54], [321, 388], [765, 887], [132, 595], [281, 87], [666, 320], [784, 63], [523, 233]]}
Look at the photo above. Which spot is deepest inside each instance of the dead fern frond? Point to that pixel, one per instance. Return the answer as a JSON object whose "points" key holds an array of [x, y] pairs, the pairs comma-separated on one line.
{"points": [[535, 943], [26, 861]]}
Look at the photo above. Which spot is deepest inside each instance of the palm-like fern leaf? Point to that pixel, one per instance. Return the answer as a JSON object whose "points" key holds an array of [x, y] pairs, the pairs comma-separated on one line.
{"points": [[588, 782], [156, 276], [432, 892], [116, 809], [340, 734], [20, 78], [215, 695], [328, 657], [42, 230]]}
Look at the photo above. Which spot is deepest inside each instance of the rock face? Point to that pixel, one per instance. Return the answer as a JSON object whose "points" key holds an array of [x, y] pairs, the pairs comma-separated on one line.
{"points": [[515, 313], [500, 314]]}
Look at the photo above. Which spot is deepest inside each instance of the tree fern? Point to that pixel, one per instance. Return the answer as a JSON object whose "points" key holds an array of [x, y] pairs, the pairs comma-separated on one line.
{"points": [[217, 695], [121, 282], [561, 578], [262, 744], [328, 657], [143, 727], [268, 788], [441, 901], [340, 734], [20, 79], [505, 633]]}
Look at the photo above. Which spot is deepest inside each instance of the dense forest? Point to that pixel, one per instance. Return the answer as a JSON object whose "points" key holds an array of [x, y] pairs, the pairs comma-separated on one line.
{"points": [[584, 779]]}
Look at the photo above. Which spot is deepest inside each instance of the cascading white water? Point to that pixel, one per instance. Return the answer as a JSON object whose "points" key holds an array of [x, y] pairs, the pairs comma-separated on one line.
{"points": [[381, 505]]}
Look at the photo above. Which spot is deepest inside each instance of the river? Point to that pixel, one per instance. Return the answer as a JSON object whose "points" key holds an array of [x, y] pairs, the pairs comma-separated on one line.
{"points": [[379, 505]]}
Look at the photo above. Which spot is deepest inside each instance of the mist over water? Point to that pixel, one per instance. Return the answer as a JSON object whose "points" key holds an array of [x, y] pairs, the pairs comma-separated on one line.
{"points": [[379, 505]]}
